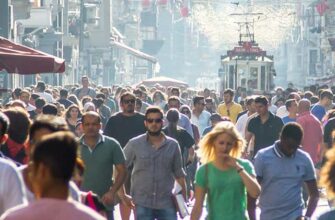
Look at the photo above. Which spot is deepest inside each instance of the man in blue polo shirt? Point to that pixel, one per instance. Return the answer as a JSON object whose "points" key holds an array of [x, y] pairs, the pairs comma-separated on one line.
{"points": [[326, 100], [282, 169]]}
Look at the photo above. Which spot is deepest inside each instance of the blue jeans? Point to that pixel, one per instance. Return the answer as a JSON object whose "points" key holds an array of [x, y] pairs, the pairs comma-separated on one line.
{"points": [[143, 213], [110, 214]]}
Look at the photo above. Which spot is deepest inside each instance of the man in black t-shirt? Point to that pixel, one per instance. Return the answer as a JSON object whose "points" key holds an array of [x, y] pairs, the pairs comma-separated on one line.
{"points": [[265, 129], [124, 126]]}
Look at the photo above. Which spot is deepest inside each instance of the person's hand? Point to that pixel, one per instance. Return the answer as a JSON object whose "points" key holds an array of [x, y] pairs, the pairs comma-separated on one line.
{"points": [[246, 154], [108, 198], [127, 200], [232, 162]]}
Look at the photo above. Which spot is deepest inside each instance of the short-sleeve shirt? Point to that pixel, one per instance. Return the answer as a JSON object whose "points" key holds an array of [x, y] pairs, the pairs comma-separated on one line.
{"points": [[265, 133], [183, 137], [99, 164], [281, 182], [287, 119], [12, 192], [123, 128], [330, 215], [327, 132], [202, 121], [318, 111], [227, 193], [234, 110]]}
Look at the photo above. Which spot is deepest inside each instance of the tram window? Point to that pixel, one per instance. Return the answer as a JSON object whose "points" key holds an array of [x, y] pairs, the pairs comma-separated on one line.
{"points": [[263, 79], [243, 82], [253, 81], [231, 76]]}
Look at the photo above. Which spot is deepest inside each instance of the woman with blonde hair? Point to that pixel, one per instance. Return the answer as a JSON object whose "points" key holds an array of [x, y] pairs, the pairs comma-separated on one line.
{"points": [[224, 177]]}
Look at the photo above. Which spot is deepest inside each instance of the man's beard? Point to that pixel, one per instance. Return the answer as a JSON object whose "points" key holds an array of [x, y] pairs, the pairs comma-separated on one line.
{"points": [[130, 110], [155, 133]]}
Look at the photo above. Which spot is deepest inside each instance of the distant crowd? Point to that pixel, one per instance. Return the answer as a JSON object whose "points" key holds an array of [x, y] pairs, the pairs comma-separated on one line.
{"points": [[103, 146]]}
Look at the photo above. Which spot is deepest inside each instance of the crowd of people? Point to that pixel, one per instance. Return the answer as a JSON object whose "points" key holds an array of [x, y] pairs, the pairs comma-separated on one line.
{"points": [[75, 153]]}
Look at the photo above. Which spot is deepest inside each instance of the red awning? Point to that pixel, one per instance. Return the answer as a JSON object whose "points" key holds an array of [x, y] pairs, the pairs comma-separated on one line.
{"points": [[15, 58]]}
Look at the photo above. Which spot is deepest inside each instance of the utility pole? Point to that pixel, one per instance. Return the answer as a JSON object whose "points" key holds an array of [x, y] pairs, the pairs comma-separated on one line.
{"points": [[4, 18], [81, 38]]}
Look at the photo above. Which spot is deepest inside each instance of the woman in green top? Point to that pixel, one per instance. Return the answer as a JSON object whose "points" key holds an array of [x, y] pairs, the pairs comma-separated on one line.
{"points": [[224, 177]]}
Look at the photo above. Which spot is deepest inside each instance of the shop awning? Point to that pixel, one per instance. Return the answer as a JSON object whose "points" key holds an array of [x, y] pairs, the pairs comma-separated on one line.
{"points": [[134, 52], [16, 58]]}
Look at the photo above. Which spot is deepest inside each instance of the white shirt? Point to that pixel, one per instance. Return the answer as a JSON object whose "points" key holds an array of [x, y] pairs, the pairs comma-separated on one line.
{"points": [[30, 107], [203, 121], [242, 123], [46, 96], [11, 186], [273, 109], [282, 112]]}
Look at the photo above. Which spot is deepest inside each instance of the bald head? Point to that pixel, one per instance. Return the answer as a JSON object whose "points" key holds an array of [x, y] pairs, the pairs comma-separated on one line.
{"points": [[304, 105]]}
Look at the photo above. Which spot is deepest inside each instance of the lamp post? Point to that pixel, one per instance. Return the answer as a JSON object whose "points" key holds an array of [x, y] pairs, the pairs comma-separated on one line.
{"points": [[81, 38], [235, 75]]}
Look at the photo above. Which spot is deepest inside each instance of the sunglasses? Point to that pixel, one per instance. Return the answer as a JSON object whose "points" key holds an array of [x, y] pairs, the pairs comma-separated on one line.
{"points": [[201, 103], [129, 101], [151, 120], [185, 112]]}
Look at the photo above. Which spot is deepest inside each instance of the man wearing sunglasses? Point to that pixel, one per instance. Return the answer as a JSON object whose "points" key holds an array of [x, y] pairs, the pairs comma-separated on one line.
{"points": [[200, 117], [123, 126], [229, 108], [157, 164]]}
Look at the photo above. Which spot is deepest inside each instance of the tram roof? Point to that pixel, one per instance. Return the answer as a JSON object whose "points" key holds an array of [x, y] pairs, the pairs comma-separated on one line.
{"points": [[253, 59]]}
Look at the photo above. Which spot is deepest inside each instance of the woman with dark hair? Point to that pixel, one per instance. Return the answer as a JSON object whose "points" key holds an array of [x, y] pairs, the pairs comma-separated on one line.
{"points": [[16, 146], [186, 143], [185, 140], [73, 98], [72, 115]]}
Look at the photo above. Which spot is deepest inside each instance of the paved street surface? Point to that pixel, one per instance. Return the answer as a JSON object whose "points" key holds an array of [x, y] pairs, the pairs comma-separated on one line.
{"points": [[322, 207]]}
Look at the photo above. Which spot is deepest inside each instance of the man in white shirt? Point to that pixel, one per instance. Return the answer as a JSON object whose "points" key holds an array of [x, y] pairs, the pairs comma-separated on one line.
{"points": [[25, 97], [40, 90], [11, 185], [241, 123], [200, 117]]}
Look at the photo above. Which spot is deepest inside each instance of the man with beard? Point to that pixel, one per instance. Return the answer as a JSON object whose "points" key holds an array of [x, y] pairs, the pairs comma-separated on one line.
{"points": [[126, 124], [123, 126], [157, 164]]}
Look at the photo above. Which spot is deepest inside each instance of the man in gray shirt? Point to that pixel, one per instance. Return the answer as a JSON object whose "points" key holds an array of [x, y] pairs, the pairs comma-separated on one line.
{"points": [[157, 164]]}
